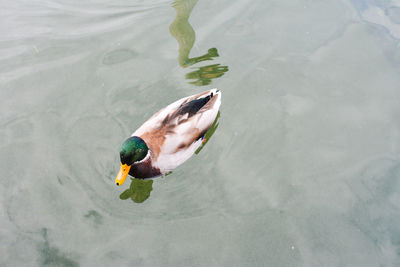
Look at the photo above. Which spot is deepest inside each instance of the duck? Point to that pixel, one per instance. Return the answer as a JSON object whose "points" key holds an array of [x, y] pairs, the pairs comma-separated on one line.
{"points": [[169, 137]]}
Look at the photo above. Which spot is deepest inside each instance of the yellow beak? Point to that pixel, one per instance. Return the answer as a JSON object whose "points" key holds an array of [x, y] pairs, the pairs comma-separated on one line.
{"points": [[123, 172]]}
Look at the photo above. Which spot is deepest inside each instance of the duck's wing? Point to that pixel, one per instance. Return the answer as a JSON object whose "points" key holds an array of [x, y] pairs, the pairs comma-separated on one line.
{"points": [[174, 133], [162, 116]]}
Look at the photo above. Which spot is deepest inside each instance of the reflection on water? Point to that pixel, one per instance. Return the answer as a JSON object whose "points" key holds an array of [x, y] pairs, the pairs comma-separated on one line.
{"points": [[204, 75], [138, 191], [183, 32], [209, 133]]}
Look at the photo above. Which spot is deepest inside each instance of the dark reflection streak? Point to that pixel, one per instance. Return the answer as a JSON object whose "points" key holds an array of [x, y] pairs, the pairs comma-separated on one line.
{"points": [[183, 32]]}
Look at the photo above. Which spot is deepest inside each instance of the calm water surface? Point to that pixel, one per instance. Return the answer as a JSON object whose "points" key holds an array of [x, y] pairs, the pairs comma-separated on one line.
{"points": [[302, 170]]}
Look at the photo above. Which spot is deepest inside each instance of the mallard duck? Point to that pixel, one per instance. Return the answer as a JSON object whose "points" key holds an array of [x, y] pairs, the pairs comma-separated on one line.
{"points": [[169, 137]]}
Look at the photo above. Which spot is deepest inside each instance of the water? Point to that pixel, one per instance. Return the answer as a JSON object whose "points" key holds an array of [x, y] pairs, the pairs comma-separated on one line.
{"points": [[303, 169]]}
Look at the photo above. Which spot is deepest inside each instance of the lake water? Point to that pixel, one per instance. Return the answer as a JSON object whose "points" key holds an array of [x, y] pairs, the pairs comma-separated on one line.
{"points": [[303, 169]]}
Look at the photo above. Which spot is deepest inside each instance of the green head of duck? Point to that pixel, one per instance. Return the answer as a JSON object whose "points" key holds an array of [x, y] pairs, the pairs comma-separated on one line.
{"points": [[133, 149]]}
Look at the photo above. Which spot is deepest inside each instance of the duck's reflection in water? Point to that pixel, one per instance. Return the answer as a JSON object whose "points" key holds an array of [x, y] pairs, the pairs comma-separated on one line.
{"points": [[204, 75], [183, 32], [209, 133], [138, 191]]}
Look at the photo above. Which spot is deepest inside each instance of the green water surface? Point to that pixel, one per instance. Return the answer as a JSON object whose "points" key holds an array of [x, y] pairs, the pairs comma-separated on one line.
{"points": [[301, 169]]}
